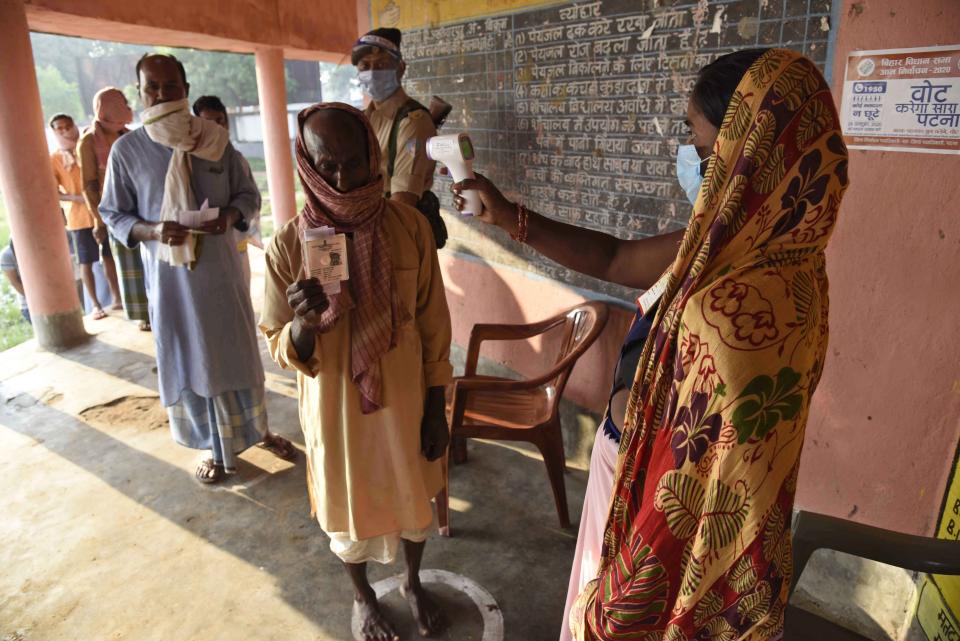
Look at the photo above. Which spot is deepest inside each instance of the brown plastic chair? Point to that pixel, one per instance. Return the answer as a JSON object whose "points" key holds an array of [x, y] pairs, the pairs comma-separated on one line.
{"points": [[524, 410], [813, 531]]}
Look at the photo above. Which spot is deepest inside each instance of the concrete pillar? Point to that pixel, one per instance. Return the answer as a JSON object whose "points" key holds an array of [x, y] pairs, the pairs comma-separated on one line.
{"points": [[272, 88], [30, 192]]}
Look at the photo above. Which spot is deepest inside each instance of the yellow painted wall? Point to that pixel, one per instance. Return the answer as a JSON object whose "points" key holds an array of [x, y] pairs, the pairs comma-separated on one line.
{"points": [[939, 607], [420, 13]]}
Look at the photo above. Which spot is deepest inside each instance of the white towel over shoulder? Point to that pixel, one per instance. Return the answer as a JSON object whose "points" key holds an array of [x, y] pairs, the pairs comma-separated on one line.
{"points": [[172, 125]]}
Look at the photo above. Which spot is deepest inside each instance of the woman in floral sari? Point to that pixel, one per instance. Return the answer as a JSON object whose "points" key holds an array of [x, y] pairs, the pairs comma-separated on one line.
{"points": [[697, 541]]}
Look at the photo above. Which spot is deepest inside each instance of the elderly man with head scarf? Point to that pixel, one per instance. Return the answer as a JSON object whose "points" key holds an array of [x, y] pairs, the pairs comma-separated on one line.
{"points": [[371, 360], [112, 115]]}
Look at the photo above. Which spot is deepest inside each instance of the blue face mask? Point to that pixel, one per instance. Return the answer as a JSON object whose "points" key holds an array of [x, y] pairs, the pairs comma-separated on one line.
{"points": [[379, 84], [688, 171]]}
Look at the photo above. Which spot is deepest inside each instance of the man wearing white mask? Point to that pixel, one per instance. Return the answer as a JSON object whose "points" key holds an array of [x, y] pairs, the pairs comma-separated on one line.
{"points": [[82, 222], [209, 369], [405, 166]]}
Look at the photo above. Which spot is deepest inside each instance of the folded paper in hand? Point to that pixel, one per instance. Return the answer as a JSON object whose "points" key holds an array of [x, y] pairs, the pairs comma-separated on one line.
{"points": [[195, 218]]}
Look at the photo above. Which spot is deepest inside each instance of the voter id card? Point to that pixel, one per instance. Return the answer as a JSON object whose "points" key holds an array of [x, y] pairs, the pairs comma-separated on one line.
{"points": [[326, 257]]}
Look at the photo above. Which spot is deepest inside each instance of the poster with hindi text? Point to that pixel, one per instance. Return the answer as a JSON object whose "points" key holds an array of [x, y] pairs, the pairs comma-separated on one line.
{"points": [[903, 100]]}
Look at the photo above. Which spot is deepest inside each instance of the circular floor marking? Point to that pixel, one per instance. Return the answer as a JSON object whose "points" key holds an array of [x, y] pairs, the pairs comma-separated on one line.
{"points": [[489, 610]]}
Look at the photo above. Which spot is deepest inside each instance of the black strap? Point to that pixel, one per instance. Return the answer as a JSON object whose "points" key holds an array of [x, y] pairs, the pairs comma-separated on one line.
{"points": [[408, 107]]}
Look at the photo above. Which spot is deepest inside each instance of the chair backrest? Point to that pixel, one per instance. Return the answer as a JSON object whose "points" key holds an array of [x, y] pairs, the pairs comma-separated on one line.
{"points": [[581, 327]]}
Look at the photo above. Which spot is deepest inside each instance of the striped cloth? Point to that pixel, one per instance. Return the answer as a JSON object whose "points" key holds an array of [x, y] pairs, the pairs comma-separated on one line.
{"points": [[371, 298], [226, 424], [133, 290]]}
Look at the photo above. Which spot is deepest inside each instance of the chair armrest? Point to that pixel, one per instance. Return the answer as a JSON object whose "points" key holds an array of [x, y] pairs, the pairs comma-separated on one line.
{"points": [[918, 553]]}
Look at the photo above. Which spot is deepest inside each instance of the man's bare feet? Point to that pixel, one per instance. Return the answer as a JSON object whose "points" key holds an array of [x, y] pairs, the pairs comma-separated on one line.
{"points": [[373, 625], [426, 612], [117, 307]]}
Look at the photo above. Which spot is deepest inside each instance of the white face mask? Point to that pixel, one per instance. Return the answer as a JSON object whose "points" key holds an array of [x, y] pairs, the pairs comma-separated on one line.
{"points": [[688, 171], [379, 84]]}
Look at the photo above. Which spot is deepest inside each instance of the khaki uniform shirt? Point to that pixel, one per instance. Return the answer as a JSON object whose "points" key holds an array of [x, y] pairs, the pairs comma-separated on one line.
{"points": [[412, 169]]}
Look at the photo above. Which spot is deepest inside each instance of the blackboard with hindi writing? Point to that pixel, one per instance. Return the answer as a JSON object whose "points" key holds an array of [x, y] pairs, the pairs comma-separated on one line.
{"points": [[578, 108]]}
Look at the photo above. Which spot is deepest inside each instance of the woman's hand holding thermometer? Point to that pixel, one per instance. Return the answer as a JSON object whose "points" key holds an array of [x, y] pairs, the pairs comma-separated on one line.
{"points": [[455, 151], [497, 209]]}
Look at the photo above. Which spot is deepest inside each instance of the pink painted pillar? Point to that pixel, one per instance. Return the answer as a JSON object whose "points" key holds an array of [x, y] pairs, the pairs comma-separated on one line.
{"points": [[272, 88], [363, 17], [30, 193]]}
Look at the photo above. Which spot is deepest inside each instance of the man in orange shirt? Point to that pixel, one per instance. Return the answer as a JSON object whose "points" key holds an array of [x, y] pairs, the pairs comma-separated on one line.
{"points": [[87, 232]]}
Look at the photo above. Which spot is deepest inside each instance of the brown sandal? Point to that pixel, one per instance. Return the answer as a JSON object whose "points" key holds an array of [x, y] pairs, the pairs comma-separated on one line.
{"points": [[209, 472], [279, 447]]}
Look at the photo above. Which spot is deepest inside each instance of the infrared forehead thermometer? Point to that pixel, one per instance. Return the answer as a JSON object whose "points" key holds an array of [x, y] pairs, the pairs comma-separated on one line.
{"points": [[456, 152]]}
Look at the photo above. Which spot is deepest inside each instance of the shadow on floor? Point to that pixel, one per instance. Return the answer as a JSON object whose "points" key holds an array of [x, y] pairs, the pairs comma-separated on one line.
{"points": [[506, 536]]}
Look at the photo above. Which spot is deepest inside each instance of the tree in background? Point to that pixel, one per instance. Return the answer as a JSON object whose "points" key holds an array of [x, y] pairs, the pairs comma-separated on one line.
{"points": [[59, 96], [85, 66], [74, 59], [340, 84], [232, 76]]}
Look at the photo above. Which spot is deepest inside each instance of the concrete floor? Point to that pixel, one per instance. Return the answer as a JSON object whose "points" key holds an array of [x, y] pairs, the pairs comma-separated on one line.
{"points": [[105, 534]]}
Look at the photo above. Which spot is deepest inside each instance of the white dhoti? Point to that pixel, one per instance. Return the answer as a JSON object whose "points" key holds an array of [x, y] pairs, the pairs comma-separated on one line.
{"points": [[593, 522], [382, 549]]}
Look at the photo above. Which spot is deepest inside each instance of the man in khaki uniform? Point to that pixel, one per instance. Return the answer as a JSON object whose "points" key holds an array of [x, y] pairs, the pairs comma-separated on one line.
{"points": [[376, 55]]}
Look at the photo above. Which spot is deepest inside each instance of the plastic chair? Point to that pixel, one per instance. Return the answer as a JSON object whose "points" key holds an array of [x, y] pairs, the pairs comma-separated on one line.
{"points": [[815, 531], [525, 410]]}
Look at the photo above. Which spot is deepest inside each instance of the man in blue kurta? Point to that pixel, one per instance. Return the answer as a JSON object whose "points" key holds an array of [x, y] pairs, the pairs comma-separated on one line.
{"points": [[211, 377]]}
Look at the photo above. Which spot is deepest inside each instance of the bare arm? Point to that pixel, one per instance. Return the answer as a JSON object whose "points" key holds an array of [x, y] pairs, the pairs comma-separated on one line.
{"points": [[308, 302], [87, 158], [632, 263], [304, 339], [291, 311], [14, 279], [167, 232], [91, 195], [119, 209]]}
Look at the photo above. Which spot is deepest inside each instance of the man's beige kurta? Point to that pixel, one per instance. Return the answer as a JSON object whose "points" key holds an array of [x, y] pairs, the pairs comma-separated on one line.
{"points": [[366, 473]]}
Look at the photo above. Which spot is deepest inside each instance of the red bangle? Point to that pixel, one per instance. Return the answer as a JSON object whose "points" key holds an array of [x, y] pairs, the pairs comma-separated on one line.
{"points": [[521, 235]]}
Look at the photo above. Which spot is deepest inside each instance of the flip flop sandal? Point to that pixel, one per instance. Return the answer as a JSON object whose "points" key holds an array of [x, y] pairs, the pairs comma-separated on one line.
{"points": [[98, 314], [203, 472], [279, 447]]}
